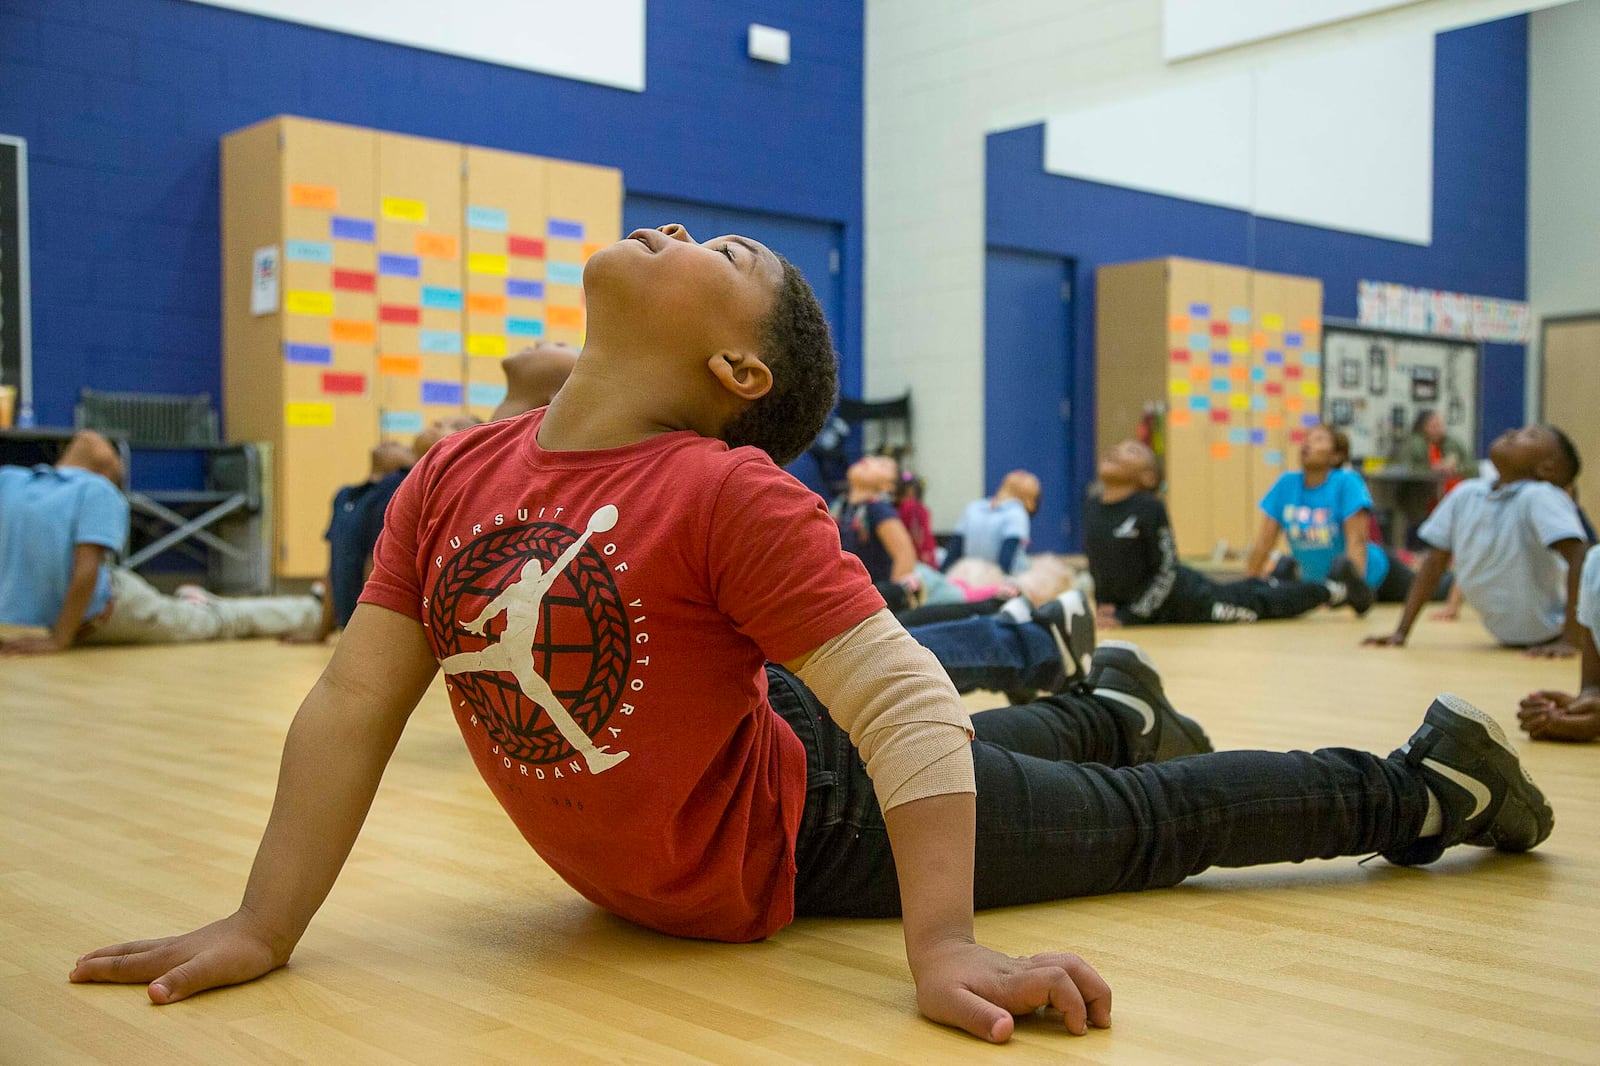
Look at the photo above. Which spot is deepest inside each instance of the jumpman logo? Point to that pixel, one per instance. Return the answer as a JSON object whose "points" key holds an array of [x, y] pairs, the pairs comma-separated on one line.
{"points": [[513, 652]]}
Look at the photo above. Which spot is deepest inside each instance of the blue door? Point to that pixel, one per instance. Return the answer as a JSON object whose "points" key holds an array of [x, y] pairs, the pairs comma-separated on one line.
{"points": [[1028, 385]]}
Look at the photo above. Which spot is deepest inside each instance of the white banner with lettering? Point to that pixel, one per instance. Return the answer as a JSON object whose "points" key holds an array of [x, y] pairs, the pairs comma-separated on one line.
{"points": [[1384, 305]]}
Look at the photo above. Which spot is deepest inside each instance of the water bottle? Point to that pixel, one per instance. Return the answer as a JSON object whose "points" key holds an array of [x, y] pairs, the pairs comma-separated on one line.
{"points": [[25, 417]]}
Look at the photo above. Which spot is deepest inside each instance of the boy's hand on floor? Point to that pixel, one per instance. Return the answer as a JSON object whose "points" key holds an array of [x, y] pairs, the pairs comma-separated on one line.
{"points": [[31, 646], [1558, 716], [1393, 640], [1447, 613], [971, 987], [1556, 649], [227, 952]]}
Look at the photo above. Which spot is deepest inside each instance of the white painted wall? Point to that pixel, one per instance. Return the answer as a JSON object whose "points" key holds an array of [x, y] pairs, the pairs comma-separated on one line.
{"points": [[1563, 168], [1194, 27], [940, 74]]}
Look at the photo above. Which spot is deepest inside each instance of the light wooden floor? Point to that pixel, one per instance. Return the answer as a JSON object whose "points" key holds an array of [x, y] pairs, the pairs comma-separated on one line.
{"points": [[134, 784]]}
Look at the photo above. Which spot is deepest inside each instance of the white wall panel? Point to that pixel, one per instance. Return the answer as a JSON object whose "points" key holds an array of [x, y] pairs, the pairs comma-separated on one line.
{"points": [[1194, 27]]}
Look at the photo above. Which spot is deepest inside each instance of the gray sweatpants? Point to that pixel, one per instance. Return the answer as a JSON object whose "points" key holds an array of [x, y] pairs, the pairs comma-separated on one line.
{"points": [[140, 615]]}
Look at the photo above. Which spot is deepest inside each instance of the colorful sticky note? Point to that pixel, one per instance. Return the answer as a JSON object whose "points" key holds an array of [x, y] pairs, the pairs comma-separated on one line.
{"points": [[308, 414], [1219, 416], [486, 263], [1297, 436], [400, 365], [563, 273], [1200, 310], [1274, 358], [399, 315], [1272, 421], [1258, 437], [439, 341], [1180, 355], [437, 245], [524, 289], [1220, 359], [400, 422], [1239, 402], [489, 218], [1260, 341], [1258, 403], [1309, 420], [1294, 403], [1239, 346], [1220, 450], [1292, 373], [486, 344], [1199, 372], [438, 298], [525, 327], [1274, 388], [485, 395], [1258, 373], [1178, 323], [565, 228], [399, 266], [1219, 329], [1239, 435], [308, 251], [1199, 342], [1293, 340], [1272, 457], [318, 354], [1178, 387], [1310, 389], [1219, 384], [1178, 417], [399, 209], [354, 281], [564, 317], [486, 303], [354, 331], [1239, 316], [442, 392], [1199, 403], [1312, 359], [1271, 322], [320, 197], [341, 228], [1239, 372], [308, 303], [525, 247], [1309, 325], [344, 384]]}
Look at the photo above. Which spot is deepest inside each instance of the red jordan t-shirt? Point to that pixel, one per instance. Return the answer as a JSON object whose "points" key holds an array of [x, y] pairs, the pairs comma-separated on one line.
{"points": [[602, 618]]}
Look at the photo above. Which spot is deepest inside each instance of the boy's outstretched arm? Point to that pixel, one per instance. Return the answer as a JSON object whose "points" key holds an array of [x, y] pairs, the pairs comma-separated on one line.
{"points": [[333, 758], [1572, 550], [1434, 564], [86, 559]]}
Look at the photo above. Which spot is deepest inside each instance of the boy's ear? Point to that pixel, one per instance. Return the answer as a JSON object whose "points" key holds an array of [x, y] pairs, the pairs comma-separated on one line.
{"points": [[742, 373]]}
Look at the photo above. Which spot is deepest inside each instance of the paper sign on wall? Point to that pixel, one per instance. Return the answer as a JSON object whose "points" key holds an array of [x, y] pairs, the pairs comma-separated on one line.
{"points": [[264, 280]]}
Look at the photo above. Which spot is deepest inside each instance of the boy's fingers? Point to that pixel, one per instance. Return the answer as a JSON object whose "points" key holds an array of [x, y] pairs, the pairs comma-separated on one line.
{"points": [[132, 947], [133, 968], [978, 1016]]}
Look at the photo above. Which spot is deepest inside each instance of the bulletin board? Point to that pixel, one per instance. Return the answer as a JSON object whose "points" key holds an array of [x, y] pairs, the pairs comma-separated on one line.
{"points": [[1376, 382]]}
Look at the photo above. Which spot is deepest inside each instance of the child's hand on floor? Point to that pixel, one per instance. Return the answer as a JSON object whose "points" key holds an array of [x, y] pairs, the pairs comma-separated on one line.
{"points": [[227, 952], [1559, 716], [1393, 640], [1556, 649], [971, 987], [1448, 613]]}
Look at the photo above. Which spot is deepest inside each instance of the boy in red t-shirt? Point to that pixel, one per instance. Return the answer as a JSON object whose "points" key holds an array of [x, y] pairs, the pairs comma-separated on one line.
{"points": [[603, 582]]}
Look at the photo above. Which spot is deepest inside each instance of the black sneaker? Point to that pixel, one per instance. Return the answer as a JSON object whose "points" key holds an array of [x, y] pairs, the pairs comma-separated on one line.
{"points": [[1488, 799], [1357, 593], [1286, 569], [1071, 625], [1122, 674]]}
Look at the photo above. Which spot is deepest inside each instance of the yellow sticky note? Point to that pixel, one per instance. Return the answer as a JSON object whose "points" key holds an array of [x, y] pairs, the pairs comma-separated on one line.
{"points": [[308, 414], [1272, 322], [1178, 387], [396, 209], [1310, 389], [485, 344], [1239, 402], [486, 263], [308, 303], [1239, 346]]}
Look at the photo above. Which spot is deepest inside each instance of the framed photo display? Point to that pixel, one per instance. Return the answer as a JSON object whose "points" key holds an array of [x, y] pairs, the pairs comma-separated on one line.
{"points": [[1376, 383]]}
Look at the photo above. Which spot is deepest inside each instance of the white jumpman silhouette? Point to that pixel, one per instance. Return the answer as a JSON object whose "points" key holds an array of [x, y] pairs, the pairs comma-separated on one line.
{"points": [[513, 652]]}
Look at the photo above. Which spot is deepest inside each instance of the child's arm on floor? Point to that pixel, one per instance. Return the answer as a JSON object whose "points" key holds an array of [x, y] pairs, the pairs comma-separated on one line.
{"points": [[1572, 550], [1266, 537], [333, 759], [1551, 715], [1434, 564], [86, 559]]}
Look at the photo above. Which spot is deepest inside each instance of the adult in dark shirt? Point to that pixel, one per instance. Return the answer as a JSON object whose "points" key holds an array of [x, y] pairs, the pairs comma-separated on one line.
{"points": [[1133, 558]]}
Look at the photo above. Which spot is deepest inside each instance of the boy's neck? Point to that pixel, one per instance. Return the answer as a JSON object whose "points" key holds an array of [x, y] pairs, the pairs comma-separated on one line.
{"points": [[606, 404]]}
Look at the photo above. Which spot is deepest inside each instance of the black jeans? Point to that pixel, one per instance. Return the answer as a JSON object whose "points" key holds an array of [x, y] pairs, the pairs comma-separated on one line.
{"points": [[1196, 598], [1060, 814]]}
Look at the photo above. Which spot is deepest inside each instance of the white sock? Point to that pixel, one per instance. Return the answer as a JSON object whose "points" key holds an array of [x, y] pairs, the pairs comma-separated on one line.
{"points": [[1018, 609], [1337, 593], [1433, 821]]}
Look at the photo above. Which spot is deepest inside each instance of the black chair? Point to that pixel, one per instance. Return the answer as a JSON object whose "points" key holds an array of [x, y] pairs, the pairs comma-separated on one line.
{"points": [[857, 428]]}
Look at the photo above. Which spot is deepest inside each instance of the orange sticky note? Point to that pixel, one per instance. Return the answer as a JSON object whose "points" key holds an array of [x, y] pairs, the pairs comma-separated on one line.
{"points": [[405, 365], [1260, 340], [1179, 323], [1179, 416], [437, 245], [346, 331], [1239, 373], [1199, 372], [487, 303], [1271, 421], [322, 197], [564, 317], [1219, 450], [1309, 325], [590, 249], [1294, 403]]}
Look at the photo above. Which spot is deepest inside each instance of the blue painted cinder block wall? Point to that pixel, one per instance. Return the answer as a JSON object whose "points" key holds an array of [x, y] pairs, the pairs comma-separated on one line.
{"points": [[123, 103], [1479, 226]]}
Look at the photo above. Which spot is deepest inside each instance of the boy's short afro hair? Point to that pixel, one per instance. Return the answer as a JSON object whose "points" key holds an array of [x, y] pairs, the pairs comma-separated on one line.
{"points": [[1569, 456], [796, 347]]}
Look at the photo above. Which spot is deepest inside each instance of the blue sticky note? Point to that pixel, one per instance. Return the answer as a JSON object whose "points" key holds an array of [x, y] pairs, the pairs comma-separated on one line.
{"points": [[1258, 373], [1272, 458], [352, 229], [1220, 359], [441, 299], [1258, 437], [308, 251], [1200, 310], [1238, 435], [525, 290], [1258, 403], [489, 218], [525, 327], [1219, 384], [399, 266], [444, 392], [1312, 359], [1199, 342], [400, 421], [320, 354], [1199, 403], [1239, 316], [1309, 420], [566, 229], [1275, 358], [563, 273], [439, 341], [1293, 340], [485, 395]]}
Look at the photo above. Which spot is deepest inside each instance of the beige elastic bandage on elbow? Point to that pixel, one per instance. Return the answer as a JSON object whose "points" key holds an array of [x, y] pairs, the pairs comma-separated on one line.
{"points": [[899, 707]]}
